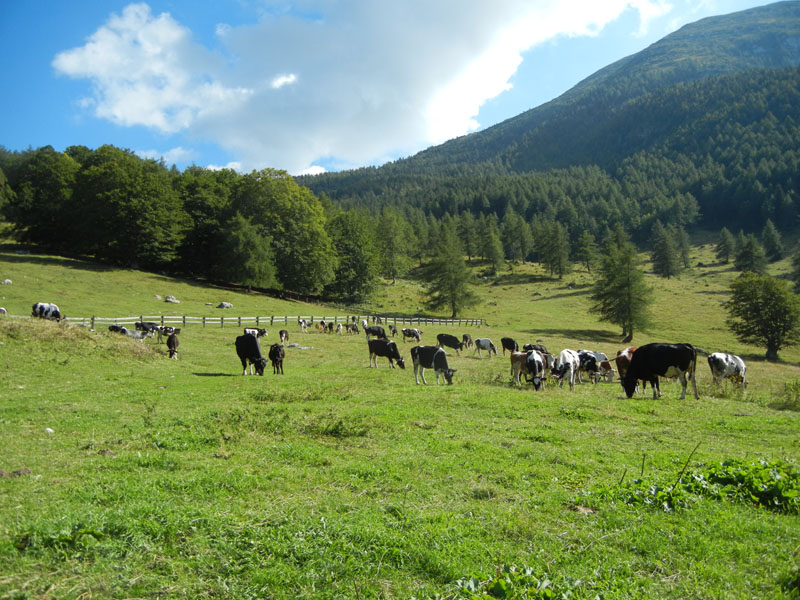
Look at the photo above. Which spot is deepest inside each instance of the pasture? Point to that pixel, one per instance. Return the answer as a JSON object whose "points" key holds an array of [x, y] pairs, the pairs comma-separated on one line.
{"points": [[143, 477]]}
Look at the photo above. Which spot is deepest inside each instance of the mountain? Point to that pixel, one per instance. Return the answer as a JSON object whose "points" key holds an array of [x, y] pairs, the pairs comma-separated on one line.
{"points": [[699, 111]]}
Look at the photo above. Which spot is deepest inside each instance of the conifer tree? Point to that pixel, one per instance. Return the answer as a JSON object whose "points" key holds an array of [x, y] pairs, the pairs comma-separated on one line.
{"points": [[724, 249], [665, 257], [588, 250], [447, 278], [771, 239], [750, 256]]}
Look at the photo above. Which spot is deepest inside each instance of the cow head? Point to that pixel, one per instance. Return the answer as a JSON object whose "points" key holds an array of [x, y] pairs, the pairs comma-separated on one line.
{"points": [[448, 375], [537, 383], [260, 365], [628, 382], [401, 363]]}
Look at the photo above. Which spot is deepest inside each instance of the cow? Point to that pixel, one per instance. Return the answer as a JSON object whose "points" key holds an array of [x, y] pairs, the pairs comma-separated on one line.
{"points": [[303, 325], [338, 329], [509, 344], [3, 311], [166, 330], [484, 344], [655, 360], [321, 327], [537, 347], [727, 366], [387, 348], [117, 329], [392, 330], [173, 343], [467, 340], [249, 351], [137, 335], [352, 328], [276, 355], [283, 336], [47, 310], [412, 333], [375, 330], [567, 365], [148, 326], [623, 360], [532, 364], [255, 331], [451, 341], [431, 357], [588, 364], [605, 371]]}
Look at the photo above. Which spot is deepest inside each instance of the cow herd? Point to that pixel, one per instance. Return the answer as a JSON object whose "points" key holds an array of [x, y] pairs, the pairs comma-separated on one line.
{"points": [[647, 363]]}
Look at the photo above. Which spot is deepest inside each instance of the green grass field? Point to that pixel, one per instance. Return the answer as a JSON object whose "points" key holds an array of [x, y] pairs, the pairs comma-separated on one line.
{"points": [[166, 479]]}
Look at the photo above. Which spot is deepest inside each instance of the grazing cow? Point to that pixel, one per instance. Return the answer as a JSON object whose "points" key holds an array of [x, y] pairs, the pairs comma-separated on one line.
{"points": [[431, 357], [249, 351], [392, 330], [148, 326], [352, 328], [276, 355], [451, 341], [303, 325], [364, 323], [320, 326], [532, 364], [165, 330], [255, 331], [172, 344], [339, 329], [509, 344], [567, 365], [727, 366], [387, 348], [47, 310], [588, 364], [605, 371], [467, 340], [652, 361], [3, 311], [117, 329], [412, 333], [484, 344], [537, 347], [283, 336], [375, 330]]}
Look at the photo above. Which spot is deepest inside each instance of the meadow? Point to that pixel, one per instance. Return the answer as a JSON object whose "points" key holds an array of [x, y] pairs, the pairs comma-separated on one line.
{"points": [[129, 475]]}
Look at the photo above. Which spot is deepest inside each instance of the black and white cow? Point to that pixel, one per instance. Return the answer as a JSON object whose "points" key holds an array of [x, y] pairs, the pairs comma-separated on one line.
{"points": [[727, 366], [352, 328], [566, 366], [652, 361], [255, 331], [537, 347], [484, 344], [47, 310], [532, 364], [451, 341], [166, 330], [172, 344], [410, 332], [431, 357], [588, 364], [509, 344], [249, 351], [386, 348], [303, 325], [376, 331], [392, 330], [276, 356], [148, 326], [283, 336]]}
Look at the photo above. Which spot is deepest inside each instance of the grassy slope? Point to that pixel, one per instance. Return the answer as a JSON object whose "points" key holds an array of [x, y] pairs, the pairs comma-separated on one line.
{"points": [[169, 478]]}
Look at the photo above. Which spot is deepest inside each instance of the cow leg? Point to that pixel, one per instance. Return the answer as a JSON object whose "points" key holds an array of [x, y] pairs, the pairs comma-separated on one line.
{"points": [[683, 385], [422, 375]]}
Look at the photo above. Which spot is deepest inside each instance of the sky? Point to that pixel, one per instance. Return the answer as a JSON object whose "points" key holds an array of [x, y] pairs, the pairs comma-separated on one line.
{"points": [[305, 86]]}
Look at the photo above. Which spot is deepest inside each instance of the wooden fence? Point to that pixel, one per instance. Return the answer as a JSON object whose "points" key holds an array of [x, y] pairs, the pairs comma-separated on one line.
{"points": [[270, 321]]}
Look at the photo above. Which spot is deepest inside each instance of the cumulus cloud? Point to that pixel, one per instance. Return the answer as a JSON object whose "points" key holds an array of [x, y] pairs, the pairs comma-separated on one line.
{"points": [[356, 84]]}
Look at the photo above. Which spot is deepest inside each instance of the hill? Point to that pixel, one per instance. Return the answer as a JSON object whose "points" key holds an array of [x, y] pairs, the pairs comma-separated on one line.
{"points": [[711, 110]]}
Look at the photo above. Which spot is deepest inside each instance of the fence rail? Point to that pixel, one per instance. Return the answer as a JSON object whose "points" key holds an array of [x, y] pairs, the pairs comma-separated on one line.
{"points": [[266, 321]]}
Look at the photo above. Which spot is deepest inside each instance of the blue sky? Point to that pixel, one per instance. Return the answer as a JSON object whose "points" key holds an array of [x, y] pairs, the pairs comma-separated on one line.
{"points": [[305, 85]]}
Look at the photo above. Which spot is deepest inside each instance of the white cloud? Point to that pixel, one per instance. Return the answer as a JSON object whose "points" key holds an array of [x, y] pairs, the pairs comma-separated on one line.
{"points": [[177, 155], [358, 83]]}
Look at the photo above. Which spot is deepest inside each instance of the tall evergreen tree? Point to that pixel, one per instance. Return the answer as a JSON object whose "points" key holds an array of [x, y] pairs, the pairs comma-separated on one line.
{"points": [[750, 256], [726, 244], [468, 233], [588, 251], [620, 295], [682, 242], [392, 243], [448, 280], [771, 239], [795, 275], [356, 272], [664, 254], [552, 246]]}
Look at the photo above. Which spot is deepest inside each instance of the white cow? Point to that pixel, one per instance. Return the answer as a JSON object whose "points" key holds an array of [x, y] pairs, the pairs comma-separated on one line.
{"points": [[727, 366], [567, 365], [484, 344]]}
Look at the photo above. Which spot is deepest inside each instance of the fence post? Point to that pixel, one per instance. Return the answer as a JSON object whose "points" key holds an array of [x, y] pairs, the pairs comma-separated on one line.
{"points": [[92, 321], [204, 322], [184, 321], [162, 320]]}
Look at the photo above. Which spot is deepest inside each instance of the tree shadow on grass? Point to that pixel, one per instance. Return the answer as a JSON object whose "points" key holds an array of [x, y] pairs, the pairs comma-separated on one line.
{"points": [[216, 375], [591, 335]]}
